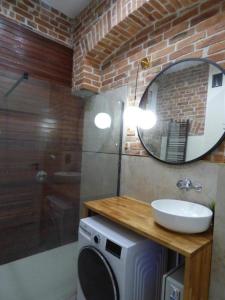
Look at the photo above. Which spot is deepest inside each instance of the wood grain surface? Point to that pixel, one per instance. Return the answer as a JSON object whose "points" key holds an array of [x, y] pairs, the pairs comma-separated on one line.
{"points": [[22, 50], [138, 216]]}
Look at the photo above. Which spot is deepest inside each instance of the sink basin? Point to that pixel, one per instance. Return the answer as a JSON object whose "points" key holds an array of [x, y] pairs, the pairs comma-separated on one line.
{"points": [[182, 216], [66, 177]]}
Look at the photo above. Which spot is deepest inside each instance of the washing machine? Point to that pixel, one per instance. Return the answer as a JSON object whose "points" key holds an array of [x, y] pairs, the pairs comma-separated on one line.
{"points": [[116, 264]]}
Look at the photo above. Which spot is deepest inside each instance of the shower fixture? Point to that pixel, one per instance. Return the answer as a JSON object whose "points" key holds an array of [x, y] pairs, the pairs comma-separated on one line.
{"points": [[25, 76]]}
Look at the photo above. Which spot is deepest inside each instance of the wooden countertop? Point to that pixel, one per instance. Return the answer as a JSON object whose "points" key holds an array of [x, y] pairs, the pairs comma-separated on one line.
{"points": [[138, 216]]}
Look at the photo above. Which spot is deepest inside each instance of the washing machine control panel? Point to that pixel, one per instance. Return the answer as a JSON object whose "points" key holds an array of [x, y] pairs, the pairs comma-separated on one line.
{"points": [[97, 238], [113, 248]]}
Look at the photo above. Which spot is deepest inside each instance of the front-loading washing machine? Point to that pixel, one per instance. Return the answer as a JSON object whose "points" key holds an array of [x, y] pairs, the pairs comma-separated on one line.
{"points": [[117, 264]]}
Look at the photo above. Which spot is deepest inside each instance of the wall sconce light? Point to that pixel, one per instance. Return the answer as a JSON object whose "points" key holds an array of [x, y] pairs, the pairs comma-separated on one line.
{"points": [[103, 120], [145, 63]]}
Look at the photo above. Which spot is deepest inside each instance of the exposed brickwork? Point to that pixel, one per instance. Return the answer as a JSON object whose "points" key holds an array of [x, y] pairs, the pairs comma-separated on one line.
{"points": [[106, 26], [110, 37], [170, 33], [182, 96], [40, 18]]}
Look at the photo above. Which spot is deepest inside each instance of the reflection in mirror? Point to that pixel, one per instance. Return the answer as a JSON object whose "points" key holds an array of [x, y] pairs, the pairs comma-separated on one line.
{"points": [[144, 119], [186, 105]]}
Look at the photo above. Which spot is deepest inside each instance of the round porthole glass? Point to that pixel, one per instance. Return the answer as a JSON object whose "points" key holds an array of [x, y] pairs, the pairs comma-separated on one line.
{"points": [[96, 277]]}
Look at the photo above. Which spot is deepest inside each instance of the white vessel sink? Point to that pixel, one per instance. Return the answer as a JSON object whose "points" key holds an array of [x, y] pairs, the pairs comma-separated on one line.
{"points": [[182, 216]]}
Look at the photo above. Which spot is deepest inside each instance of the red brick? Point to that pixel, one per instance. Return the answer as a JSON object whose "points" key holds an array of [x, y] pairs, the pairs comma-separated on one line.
{"points": [[157, 15], [124, 69], [123, 75], [157, 47], [220, 26], [207, 23], [182, 52], [204, 16], [195, 54], [42, 29], [108, 81], [139, 41], [40, 18], [176, 30], [136, 146], [216, 48], [134, 51], [123, 51], [210, 4], [147, 14], [28, 3], [153, 41], [186, 16], [157, 5], [165, 20], [44, 24], [23, 13], [181, 36], [89, 87], [109, 75], [217, 57], [192, 39], [22, 6], [160, 61], [212, 40], [170, 8], [162, 29], [20, 18], [176, 4], [163, 52], [136, 56]]}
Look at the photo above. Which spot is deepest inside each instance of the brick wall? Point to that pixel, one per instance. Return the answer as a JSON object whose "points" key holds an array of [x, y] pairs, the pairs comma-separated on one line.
{"points": [[39, 17], [110, 37], [105, 27], [172, 31], [182, 96]]}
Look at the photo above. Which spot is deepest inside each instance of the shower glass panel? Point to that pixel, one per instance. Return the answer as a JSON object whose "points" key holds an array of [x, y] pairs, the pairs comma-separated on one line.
{"points": [[56, 151], [101, 147], [40, 164]]}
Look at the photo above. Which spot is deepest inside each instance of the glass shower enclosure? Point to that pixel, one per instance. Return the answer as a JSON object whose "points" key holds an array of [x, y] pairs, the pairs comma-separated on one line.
{"points": [[56, 151]]}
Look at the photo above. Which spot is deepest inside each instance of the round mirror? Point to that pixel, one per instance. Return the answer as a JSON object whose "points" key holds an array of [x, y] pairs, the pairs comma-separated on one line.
{"points": [[185, 105]]}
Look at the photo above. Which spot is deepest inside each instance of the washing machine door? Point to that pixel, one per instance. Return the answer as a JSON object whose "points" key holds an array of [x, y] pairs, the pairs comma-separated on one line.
{"points": [[96, 277]]}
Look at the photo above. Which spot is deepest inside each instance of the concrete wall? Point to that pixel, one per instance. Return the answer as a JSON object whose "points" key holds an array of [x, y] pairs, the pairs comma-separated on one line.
{"points": [[218, 264], [147, 179]]}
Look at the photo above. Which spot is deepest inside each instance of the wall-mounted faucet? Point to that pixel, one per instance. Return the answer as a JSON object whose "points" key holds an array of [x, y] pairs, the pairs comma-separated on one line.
{"points": [[186, 184]]}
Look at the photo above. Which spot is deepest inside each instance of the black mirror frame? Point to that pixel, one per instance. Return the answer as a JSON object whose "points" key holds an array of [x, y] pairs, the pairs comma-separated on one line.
{"points": [[161, 72]]}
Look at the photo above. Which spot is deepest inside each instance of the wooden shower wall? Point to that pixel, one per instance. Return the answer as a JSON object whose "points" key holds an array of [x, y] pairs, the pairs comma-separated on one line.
{"points": [[40, 129], [24, 50]]}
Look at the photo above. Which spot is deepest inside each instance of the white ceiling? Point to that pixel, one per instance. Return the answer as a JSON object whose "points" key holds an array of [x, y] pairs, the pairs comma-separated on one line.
{"points": [[71, 8]]}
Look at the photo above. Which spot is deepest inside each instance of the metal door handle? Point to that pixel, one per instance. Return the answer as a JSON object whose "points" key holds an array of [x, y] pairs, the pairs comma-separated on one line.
{"points": [[41, 176]]}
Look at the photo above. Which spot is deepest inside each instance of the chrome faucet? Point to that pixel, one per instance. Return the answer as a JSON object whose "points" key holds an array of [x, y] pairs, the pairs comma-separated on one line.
{"points": [[186, 184]]}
